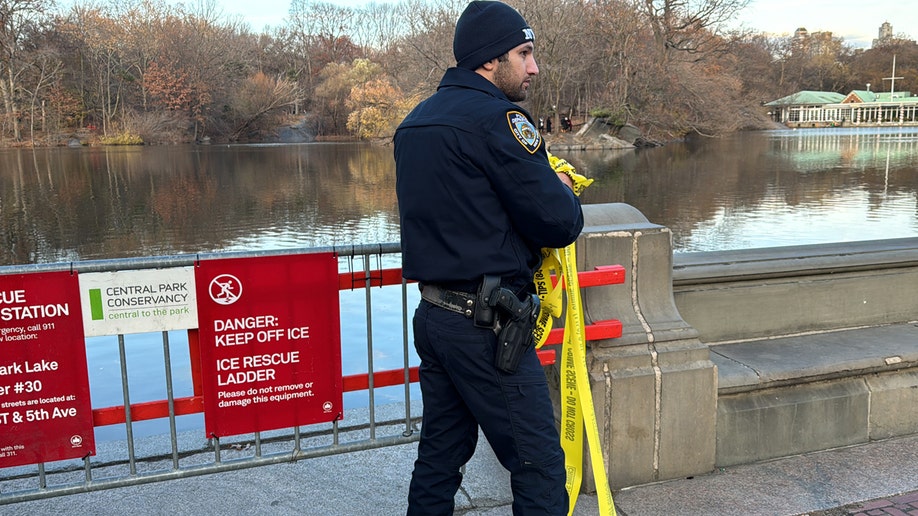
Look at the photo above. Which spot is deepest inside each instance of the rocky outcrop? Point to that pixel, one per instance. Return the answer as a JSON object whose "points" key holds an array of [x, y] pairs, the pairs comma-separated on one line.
{"points": [[295, 134], [597, 134]]}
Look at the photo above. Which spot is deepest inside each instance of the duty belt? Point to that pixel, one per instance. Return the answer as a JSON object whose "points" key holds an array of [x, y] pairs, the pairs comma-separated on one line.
{"points": [[452, 300]]}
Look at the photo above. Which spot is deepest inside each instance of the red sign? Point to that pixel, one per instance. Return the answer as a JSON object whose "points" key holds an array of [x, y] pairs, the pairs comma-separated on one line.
{"points": [[45, 409], [270, 336]]}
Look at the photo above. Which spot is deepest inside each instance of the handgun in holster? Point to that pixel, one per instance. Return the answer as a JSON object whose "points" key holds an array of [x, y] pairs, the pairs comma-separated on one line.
{"points": [[515, 335], [484, 315]]}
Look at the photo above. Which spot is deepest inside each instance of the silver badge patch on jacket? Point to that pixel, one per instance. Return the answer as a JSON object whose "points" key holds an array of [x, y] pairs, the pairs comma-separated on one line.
{"points": [[524, 131]]}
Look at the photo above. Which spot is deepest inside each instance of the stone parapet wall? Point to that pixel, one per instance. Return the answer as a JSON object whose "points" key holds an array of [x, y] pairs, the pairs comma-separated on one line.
{"points": [[655, 387], [761, 293], [737, 356]]}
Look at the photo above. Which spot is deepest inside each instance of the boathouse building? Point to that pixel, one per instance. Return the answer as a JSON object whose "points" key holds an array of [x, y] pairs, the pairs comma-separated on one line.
{"points": [[860, 107]]}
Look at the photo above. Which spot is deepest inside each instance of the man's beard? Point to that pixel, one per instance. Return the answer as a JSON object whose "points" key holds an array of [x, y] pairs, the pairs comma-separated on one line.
{"points": [[506, 83]]}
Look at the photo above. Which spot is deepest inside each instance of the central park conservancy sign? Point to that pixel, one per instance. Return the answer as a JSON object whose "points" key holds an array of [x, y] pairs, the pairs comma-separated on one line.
{"points": [[140, 301]]}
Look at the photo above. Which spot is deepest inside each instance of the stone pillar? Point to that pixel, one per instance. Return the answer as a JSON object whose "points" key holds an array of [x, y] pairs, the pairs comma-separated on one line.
{"points": [[655, 388]]}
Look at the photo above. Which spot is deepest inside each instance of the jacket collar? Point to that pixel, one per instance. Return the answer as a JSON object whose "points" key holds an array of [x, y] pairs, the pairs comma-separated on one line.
{"points": [[464, 78]]}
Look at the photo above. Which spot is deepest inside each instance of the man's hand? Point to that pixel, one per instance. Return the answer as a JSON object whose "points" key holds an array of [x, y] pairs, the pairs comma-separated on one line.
{"points": [[566, 173], [566, 180]]}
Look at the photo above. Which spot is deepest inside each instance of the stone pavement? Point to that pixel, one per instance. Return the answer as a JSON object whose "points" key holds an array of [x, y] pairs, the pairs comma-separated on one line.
{"points": [[901, 505], [828, 483], [875, 479]]}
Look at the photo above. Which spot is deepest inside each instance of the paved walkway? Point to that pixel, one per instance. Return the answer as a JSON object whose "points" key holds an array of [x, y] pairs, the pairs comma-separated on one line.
{"points": [[876, 479], [901, 505], [830, 483]]}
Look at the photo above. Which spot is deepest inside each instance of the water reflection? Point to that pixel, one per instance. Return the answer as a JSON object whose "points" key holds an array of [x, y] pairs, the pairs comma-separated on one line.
{"points": [[67, 204], [747, 190], [769, 189]]}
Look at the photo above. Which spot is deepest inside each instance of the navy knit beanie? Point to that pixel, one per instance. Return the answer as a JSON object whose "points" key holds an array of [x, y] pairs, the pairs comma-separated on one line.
{"points": [[487, 30]]}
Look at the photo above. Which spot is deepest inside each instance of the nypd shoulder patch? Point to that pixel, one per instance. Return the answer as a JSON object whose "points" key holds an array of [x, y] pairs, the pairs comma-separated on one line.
{"points": [[524, 131]]}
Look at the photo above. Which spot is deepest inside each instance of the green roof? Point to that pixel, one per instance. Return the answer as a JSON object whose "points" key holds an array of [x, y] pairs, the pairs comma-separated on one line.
{"points": [[809, 98], [821, 98], [865, 95], [884, 96], [899, 96]]}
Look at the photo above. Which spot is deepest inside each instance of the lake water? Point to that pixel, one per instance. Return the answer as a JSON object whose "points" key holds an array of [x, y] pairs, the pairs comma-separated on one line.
{"points": [[771, 188], [747, 190]]}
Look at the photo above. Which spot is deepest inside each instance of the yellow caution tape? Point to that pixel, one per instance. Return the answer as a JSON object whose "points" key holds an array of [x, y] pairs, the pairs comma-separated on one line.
{"points": [[578, 415], [551, 296], [562, 166], [576, 384]]}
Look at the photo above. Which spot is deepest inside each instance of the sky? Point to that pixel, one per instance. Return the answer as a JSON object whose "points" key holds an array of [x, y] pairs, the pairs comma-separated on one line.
{"points": [[858, 22]]}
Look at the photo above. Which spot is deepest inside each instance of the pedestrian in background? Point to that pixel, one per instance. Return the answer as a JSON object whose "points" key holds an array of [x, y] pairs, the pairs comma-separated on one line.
{"points": [[478, 201]]}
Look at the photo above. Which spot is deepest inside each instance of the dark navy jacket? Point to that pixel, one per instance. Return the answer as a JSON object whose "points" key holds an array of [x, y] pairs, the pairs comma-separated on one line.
{"points": [[476, 194]]}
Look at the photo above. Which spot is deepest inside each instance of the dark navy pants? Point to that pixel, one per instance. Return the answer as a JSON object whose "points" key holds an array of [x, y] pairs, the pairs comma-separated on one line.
{"points": [[462, 390]]}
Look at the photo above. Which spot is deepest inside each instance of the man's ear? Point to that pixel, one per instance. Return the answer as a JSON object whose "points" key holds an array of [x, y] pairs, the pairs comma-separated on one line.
{"points": [[490, 65]]}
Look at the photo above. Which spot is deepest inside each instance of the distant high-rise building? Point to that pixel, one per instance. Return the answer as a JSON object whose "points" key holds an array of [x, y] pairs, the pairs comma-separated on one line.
{"points": [[885, 30], [885, 34]]}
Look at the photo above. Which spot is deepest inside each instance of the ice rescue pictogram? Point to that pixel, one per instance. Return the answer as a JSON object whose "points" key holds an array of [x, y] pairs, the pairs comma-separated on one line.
{"points": [[225, 289]]}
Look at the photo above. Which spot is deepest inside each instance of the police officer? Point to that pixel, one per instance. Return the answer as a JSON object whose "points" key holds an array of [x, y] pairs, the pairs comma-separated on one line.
{"points": [[477, 201]]}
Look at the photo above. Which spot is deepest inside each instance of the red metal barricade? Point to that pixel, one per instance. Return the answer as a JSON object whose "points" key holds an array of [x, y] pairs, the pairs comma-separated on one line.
{"points": [[599, 330]]}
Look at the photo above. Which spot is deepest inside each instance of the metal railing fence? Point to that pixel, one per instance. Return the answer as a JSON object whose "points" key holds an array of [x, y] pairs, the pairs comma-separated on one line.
{"points": [[168, 454], [140, 460]]}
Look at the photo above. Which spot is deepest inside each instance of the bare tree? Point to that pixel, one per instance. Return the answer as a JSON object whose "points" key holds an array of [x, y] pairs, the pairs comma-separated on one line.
{"points": [[17, 19], [426, 51], [318, 33], [206, 48], [755, 60], [377, 27], [875, 64], [616, 36], [669, 66], [689, 28], [258, 101], [44, 70], [146, 22], [101, 81], [559, 43]]}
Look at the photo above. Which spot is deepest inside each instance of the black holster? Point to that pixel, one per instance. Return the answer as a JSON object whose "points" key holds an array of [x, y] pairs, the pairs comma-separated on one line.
{"points": [[484, 305], [516, 324]]}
